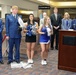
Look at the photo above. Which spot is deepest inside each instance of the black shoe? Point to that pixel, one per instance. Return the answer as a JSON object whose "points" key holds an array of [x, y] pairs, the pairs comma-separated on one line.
{"points": [[56, 48], [9, 62], [52, 48], [17, 61], [1, 62]]}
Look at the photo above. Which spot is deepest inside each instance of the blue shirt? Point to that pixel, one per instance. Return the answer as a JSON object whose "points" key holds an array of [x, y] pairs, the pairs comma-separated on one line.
{"points": [[1, 28], [74, 24], [66, 24], [44, 37]]}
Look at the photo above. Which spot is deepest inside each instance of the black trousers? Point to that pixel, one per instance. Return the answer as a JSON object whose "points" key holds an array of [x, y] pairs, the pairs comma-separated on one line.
{"points": [[55, 35]]}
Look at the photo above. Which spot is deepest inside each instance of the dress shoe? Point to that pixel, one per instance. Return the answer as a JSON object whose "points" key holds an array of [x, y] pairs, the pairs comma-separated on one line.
{"points": [[9, 62], [52, 48], [1, 62], [17, 61], [56, 48]]}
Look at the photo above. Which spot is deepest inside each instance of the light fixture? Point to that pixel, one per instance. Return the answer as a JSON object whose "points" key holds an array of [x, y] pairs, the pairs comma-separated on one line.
{"points": [[25, 12], [63, 4], [44, 1]]}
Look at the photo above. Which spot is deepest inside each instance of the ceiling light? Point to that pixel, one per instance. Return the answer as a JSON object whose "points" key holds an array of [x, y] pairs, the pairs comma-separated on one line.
{"points": [[44, 1], [25, 12], [63, 4]]}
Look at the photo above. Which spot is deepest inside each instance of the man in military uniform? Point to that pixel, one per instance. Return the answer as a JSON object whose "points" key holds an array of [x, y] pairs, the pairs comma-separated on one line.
{"points": [[13, 35], [1, 28]]}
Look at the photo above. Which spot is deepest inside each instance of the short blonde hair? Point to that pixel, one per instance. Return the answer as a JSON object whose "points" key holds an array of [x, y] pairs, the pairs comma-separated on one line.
{"points": [[14, 7], [66, 13]]}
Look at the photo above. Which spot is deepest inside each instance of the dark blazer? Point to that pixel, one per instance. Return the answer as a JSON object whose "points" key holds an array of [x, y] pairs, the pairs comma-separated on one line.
{"points": [[55, 22], [1, 28], [12, 26]]}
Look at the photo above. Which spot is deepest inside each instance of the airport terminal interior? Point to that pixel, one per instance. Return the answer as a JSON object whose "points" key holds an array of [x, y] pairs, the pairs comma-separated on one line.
{"points": [[59, 62]]}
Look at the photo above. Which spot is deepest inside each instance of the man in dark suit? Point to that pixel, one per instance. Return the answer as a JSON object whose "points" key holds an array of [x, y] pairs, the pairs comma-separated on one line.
{"points": [[1, 28], [56, 23], [13, 35]]}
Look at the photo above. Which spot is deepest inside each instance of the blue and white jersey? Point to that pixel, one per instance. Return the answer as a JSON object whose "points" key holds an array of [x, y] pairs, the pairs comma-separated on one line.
{"points": [[31, 29], [45, 38]]}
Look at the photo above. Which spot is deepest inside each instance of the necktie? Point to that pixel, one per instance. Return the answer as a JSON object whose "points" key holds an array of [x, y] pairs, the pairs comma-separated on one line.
{"points": [[67, 22], [67, 25]]}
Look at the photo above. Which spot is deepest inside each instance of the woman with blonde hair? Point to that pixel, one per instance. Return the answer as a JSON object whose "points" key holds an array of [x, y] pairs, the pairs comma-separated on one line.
{"points": [[66, 22], [45, 33]]}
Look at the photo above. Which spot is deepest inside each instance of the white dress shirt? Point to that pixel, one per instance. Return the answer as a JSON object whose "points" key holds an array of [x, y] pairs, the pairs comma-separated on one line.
{"points": [[55, 16]]}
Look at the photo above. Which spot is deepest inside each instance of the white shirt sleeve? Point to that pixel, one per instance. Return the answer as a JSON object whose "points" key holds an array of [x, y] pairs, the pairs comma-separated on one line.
{"points": [[41, 22], [21, 22]]}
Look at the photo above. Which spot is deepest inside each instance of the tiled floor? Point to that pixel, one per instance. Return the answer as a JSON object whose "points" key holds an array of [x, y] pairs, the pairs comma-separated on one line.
{"points": [[38, 69]]}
